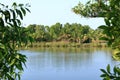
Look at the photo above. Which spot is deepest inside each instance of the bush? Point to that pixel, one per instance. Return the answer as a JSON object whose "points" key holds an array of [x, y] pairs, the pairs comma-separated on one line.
{"points": [[108, 75]]}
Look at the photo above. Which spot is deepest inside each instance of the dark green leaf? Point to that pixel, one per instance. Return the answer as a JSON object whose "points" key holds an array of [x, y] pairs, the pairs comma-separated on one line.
{"points": [[13, 14], [2, 4], [19, 67], [112, 77], [103, 27], [21, 5], [31, 39], [19, 77], [19, 13], [7, 15], [2, 22], [27, 9], [103, 75], [10, 24], [107, 22], [14, 23], [104, 38], [14, 4], [108, 68], [103, 71], [18, 21], [23, 11], [118, 70]]}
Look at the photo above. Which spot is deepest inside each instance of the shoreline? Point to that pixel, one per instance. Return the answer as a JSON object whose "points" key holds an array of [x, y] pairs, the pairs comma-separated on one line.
{"points": [[66, 44]]}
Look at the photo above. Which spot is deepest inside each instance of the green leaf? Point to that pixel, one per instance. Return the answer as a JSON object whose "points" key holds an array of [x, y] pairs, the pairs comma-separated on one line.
{"points": [[21, 5], [104, 27], [14, 23], [103, 75], [112, 77], [108, 68], [31, 39], [7, 15], [103, 71], [118, 70], [1, 22], [19, 13], [115, 70], [104, 38], [107, 22], [14, 4], [12, 62], [2, 4], [108, 78], [27, 9], [23, 11], [19, 66], [13, 14], [19, 77], [10, 24], [109, 43], [18, 21]]}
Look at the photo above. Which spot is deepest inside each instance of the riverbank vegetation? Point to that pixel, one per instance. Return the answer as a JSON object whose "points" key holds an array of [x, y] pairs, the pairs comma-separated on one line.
{"points": [[68, 32], [65, 35], [66, 44]]}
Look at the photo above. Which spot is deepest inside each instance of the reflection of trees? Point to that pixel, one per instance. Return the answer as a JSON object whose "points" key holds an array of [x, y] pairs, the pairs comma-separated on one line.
{"points": [[67, 58]]}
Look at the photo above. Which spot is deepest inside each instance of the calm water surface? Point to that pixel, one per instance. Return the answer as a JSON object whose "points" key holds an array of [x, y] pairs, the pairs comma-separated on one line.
{"points": [[66, 63]]}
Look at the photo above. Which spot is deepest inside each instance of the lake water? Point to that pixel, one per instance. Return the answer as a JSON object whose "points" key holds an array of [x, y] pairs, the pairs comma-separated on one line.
{"points": [[66, 63]]}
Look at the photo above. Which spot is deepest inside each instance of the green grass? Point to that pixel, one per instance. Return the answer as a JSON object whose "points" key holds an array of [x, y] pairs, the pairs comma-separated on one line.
{"points": [[66, 44]]}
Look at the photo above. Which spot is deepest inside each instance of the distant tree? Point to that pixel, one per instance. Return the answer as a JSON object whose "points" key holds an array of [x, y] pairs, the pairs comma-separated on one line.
{"points": [[76, 32], [39, 32], [31, 28], [48, 34], [55, 30]]}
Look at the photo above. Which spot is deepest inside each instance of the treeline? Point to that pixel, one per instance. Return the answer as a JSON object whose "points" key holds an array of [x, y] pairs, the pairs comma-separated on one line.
{"points": [[68, 32]]}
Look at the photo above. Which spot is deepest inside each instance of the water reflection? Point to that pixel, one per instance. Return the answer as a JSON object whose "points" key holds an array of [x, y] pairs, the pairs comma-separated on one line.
{"points": [[68, 59], [72, 62]]}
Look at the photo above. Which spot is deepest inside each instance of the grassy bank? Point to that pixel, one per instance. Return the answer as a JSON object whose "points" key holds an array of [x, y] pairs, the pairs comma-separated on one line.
{"points": [[66, 44]]}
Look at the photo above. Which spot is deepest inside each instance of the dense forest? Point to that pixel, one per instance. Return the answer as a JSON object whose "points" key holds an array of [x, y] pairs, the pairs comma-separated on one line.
{"points": [[68, 32]]}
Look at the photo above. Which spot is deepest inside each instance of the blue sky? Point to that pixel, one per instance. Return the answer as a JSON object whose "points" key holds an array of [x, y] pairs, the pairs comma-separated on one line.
{"points": [[48, 12]]}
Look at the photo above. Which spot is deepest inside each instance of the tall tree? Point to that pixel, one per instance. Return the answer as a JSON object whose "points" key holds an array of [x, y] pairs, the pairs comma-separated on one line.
{"points": [[55, 30], [12, 35]]}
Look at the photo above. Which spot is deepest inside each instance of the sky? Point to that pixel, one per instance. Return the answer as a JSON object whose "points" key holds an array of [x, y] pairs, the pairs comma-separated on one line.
{"points": [[49, 12]]}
